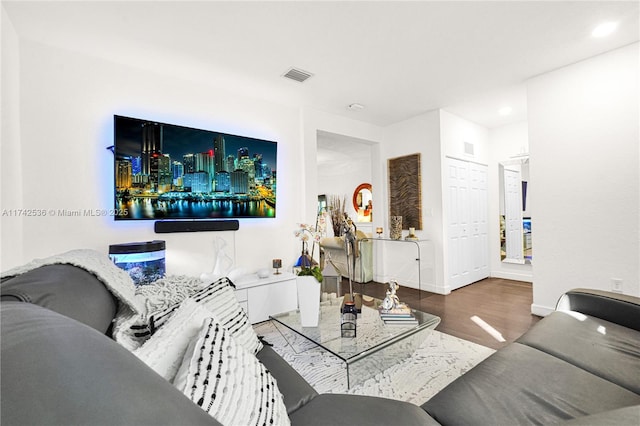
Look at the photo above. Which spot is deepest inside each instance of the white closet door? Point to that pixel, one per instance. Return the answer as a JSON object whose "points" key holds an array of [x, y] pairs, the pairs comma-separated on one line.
{"points": [[478, 221], [467, 239], [458, 223]]}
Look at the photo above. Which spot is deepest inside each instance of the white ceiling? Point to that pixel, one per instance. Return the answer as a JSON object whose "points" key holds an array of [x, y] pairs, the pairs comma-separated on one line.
{"points": [[398, 59]]}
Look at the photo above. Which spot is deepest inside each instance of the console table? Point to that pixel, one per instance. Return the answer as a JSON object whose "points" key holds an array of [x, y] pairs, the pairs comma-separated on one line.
{"points": [[262, 297], [419, 258]]}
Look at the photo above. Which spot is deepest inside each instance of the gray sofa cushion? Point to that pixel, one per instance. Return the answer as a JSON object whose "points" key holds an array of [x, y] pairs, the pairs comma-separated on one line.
{"points": [[350, 410], [620, 417], [619, 308], [57, 371], [296, 391], [591, 344], [65, 289], [522, 385]]}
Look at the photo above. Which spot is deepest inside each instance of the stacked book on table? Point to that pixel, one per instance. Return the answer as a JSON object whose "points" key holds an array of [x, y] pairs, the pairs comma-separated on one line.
{"points": [[400, 315]]}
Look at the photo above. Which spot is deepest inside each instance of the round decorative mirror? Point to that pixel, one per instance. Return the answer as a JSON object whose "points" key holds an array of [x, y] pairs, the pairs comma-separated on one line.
{"points": [[362, 202]]}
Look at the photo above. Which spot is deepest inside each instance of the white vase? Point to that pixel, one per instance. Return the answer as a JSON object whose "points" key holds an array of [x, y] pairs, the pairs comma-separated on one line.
{"points": [[308, 300]]}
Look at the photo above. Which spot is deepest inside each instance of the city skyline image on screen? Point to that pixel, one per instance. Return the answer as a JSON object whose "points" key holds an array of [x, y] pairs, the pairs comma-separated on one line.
{"points": [[166, 171]]}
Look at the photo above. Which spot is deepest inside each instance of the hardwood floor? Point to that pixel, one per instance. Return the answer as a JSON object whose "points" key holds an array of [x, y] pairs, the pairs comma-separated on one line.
{"points": [[503, 304]]}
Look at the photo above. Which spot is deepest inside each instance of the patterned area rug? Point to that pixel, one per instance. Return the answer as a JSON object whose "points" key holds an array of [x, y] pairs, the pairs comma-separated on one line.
{"points": [[439, 360]]}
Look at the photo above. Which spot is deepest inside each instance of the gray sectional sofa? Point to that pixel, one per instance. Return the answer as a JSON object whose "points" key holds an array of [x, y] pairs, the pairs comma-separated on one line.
{"points": [[580, 365], [60, 367]]}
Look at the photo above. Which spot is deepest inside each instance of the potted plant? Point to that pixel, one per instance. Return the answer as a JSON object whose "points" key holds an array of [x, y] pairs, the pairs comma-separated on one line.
{"points": [[309, 277], [311, 271]]}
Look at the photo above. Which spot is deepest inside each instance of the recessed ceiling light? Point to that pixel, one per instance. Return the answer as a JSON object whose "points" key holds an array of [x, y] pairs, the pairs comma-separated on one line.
{"points": [[604, 29], [355, 106], [505, 110]]}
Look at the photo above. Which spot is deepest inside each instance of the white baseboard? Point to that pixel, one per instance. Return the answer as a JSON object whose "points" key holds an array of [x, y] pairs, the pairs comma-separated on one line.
{"points": [[401, 281], [433, 288], [512, 276], [541, 311], [436, 289]]}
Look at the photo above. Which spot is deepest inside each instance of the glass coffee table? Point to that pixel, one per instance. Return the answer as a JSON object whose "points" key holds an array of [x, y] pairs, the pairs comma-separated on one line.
{"points": [[375, 348]]}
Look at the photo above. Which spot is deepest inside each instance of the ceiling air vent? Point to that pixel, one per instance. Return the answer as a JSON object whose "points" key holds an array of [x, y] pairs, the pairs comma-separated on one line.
{"points": [[297, 74], [468, 148]]}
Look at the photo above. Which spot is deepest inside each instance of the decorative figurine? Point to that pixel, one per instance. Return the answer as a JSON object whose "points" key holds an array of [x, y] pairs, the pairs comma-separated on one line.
{"points": [[391, 301], [351, 249]]}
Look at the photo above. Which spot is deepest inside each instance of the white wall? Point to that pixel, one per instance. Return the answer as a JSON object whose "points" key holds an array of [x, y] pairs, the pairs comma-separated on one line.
{"points": [[505, 142], [455, 131], [585, 162], [67, 102], [420, 134], [10, 152]]}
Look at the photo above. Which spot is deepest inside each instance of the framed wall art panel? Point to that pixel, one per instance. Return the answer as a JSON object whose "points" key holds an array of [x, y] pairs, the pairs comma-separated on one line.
{"points": [[405, 190]]}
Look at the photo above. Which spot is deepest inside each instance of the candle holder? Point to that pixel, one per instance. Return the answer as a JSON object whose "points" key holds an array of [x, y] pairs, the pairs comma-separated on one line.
{"points": [[349, 319], [412, 235], [277, 264], [379, 231]]}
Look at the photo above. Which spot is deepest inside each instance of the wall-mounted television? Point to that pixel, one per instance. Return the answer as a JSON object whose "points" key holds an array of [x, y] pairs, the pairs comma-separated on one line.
{"points": [[167, 171]]}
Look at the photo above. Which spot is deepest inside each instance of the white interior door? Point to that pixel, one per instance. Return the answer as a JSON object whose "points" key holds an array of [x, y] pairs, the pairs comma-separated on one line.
{"points": [[478, 222], [458, 223], [467, 229]]}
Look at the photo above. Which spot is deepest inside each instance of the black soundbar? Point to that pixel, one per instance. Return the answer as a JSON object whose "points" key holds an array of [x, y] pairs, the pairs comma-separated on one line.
{"points": [[169, 226]]}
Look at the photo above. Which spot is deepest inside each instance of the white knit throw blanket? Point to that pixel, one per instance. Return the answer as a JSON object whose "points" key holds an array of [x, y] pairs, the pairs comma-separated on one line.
{"points": [[136, 304], [168, 291], [115, 279]]}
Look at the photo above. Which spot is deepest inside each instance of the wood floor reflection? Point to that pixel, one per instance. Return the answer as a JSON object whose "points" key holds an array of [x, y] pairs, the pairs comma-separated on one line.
{"points": [[503, 305]]}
